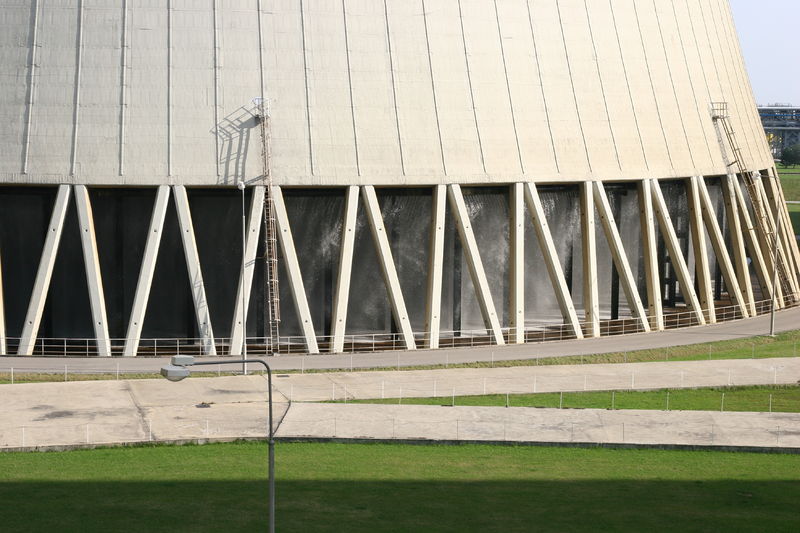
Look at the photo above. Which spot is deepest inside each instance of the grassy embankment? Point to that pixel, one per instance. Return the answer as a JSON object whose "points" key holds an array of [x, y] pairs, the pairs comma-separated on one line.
{"points": [[375, 488]]}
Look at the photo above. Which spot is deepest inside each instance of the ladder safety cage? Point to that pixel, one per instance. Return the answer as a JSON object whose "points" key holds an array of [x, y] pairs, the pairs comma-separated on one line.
{"points": [[763, 224], [272, 315]]}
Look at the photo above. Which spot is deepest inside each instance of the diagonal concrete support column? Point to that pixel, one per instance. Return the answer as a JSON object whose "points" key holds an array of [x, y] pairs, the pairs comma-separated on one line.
{"points": [[41, 286], [94, 278]]}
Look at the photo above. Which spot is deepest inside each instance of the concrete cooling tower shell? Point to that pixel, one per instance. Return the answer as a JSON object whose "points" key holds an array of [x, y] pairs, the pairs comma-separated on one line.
{"points": [[435, 173]]}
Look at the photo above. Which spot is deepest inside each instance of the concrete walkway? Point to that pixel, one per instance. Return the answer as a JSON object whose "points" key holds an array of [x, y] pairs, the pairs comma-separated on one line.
{"points": [[532, 379], [92, 413], [740, 329], [526, 425]]}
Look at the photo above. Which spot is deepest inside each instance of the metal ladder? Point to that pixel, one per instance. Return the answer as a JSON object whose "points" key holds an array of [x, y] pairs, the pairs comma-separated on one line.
{"points": [[763, 224], [272, 315]]}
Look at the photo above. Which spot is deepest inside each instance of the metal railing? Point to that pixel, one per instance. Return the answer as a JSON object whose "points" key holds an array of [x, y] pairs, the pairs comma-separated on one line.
{"points": [[383, 342]]}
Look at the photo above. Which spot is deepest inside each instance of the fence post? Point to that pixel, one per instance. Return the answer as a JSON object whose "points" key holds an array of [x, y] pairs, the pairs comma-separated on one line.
{"points": [[333, 392], [584, 381], [667, 400], [117, 371], [770, 403], [561, 400], [722, 403], [613, 400], [400, 397], [492, 359], [454, 397], [507, 401]]}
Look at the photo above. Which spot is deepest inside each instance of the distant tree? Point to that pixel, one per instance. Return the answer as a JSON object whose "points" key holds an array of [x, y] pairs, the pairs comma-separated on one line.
{"points": [[791, 155]]}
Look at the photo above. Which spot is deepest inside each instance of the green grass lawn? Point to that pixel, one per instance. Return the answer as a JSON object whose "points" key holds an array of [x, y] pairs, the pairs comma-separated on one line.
{"points": [[790, 182], [753, 399], [794, 214], [395, 488]]}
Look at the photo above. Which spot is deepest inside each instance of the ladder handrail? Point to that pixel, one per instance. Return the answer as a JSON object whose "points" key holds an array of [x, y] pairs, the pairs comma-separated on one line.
{"points": [[762, 223]]}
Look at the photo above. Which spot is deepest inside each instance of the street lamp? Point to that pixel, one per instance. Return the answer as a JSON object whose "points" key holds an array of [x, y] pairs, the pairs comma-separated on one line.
{"points": [[241, 187], [775, 258], [177, 370]]}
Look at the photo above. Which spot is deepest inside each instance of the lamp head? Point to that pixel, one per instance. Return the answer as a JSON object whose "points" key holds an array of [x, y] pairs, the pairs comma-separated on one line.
{"points": [[240, 185]]}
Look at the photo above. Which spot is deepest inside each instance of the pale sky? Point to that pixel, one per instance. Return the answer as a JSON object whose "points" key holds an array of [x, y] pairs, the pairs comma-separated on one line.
{"points": [[769, 35]]}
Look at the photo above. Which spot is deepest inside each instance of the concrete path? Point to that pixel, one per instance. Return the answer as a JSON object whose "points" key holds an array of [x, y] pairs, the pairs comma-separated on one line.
{"points": [[91, 413], [531, 379], [100, 412], [527, 425], [785, 321]]}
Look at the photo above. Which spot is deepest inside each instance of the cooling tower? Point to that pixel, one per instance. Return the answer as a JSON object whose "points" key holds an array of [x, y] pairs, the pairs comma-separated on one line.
{"points": [[378, 174]]}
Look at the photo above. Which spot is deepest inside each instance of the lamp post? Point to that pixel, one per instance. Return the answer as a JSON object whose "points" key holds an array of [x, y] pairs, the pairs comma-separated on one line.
{"points": [[177, 370], [775, 258], [241, 187]]}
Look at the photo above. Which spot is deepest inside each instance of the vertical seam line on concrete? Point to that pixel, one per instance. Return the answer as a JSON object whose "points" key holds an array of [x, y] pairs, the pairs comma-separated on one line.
{"points": [[700, 120], [350, 86], [734, 100], [672, 84], [757, 124], [216, 86], [628, 85], [739, 68], [541, 87], [31, 87], [433, 89], [394, 88], [123, 86], [602, 86], [77, 92], [308, 92], [703, 70], [262, 83], [169, 87], [508, 87], [471, 91], [572, 86], [652, 85]]}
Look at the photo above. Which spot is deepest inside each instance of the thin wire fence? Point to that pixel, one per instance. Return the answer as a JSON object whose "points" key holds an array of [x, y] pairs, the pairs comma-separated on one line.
{"points": [[540, 332]]}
